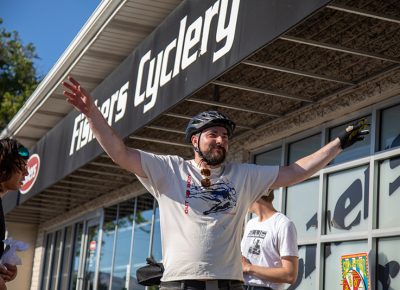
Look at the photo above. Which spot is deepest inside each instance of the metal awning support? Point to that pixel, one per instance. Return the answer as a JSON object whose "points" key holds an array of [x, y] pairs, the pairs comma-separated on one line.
{"points": [[180, 116], [340, 48], [100, 172], [363, 12], [227, 106], [261, 91], [75, 176], [296, 72], [154, 140], [165, 129]]}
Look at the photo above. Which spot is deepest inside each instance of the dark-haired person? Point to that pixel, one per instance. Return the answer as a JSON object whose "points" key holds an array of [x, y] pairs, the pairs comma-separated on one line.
{"points": [[13, 158], [202, 201], [269, 248]]}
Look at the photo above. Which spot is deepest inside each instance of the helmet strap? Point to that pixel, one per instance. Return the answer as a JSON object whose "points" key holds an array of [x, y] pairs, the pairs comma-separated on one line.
{"points": [[197, 149]]}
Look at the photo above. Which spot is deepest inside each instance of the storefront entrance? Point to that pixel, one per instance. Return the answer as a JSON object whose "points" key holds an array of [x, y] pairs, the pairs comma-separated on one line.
{"points": [[71, 255], [87, 276]]}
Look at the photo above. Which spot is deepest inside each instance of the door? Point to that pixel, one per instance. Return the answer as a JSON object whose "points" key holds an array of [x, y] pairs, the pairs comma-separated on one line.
{"points": [[87, 274]]}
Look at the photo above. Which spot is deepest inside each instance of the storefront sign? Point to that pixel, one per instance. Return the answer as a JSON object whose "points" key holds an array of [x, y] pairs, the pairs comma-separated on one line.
{"points": [[196, 43]]}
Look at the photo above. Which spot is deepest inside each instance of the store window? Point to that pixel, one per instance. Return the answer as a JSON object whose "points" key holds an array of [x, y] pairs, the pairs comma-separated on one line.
{"points": [[107, 246], [91, 248], [390, 128], [47, 261], [271, 157], [346, 194], [357, 150], [303, 196], [121, 269], [56, 260], [157, 251], [333, 253], [389, 193], [388, 276], [304, 147], [76, 254], [70, 258], [142, 231], [347, 200], [307, 274], [66, 258]]}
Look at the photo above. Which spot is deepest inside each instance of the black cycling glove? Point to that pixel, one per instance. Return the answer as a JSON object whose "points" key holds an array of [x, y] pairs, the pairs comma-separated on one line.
{"points": [[353, 133]]}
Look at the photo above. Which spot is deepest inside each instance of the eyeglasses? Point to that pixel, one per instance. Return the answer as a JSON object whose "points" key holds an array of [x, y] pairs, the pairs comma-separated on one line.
{"points": [[206, 173], [23, 152]]}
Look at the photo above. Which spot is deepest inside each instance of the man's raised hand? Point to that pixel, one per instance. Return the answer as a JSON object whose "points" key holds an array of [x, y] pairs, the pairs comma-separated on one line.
{"points": [[77, 96], [353, 133]]}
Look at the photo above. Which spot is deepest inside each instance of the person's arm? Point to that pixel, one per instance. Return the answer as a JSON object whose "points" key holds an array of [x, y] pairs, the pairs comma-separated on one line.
{"points": [[285, 274], [307, 166], [113, 145]]}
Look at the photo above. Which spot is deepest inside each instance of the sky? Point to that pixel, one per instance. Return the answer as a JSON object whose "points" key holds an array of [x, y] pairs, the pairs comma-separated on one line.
{"points": [[50, 25]]}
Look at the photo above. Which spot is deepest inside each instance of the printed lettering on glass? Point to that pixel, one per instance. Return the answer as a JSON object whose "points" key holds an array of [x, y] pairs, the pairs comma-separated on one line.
{"points": [[388, 268], [306, 276], [303, 196], [347, 200], [389, 193]]}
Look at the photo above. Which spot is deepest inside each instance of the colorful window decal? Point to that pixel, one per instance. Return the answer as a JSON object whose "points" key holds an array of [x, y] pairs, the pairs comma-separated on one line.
{"points": [[355, 274]]}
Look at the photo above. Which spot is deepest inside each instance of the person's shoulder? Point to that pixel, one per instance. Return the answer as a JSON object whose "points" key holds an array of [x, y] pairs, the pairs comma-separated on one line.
{"points": [[282, 219]]}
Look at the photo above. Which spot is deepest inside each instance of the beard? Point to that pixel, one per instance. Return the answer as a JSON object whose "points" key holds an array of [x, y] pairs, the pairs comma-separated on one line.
{"points": [[214, 158]]}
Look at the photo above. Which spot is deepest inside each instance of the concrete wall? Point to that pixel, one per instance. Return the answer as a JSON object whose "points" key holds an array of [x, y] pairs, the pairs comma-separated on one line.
{"points": [[26, 233]]}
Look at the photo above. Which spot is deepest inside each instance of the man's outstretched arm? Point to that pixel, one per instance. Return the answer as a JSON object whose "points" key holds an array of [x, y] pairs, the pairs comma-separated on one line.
{"points": [[307, 166], [113, 145]]}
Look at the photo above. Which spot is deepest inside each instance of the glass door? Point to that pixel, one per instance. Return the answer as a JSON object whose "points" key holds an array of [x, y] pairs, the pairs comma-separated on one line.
{"points": [[90, 255]]}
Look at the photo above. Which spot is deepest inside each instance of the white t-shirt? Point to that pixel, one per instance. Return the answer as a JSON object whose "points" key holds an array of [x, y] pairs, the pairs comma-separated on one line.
{"points": [[201, 227], [264, 243]]}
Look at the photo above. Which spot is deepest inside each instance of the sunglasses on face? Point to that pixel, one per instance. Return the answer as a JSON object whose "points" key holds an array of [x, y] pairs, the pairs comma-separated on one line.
{"points": [[23, 152], [206, 173]]}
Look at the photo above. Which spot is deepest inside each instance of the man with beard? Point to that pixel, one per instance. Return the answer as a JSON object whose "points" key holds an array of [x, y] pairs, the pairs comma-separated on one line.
{"points": [[203, 202]]}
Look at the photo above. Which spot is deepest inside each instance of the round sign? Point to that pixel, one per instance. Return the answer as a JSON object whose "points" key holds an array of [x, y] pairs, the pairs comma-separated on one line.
{"points": [[33, 166]]}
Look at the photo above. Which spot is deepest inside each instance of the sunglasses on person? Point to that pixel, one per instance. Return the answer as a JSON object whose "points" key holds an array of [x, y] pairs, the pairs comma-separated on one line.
{"points": [[23, 152]]}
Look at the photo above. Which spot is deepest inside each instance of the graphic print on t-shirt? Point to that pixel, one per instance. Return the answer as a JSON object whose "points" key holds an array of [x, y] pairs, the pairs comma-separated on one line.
{"points": [[257, 237], [220, 197]]}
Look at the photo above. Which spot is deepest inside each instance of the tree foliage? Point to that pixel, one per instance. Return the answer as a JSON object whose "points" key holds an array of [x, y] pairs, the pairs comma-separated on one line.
{"points": [[18, 77]]}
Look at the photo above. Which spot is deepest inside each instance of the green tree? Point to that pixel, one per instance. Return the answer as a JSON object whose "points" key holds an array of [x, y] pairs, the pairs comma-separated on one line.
{"points": [[18, 77]]}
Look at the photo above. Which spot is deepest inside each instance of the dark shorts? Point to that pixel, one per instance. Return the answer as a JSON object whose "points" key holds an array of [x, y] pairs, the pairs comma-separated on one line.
{"points": [[202, 285]]}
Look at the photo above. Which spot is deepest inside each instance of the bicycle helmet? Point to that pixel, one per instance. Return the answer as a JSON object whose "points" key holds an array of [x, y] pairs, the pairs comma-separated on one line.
{"points": [[206, 120]]}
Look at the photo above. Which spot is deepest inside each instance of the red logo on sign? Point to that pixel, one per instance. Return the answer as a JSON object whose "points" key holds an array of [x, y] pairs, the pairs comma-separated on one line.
{"points": [[92, 246], [33, 166]]}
